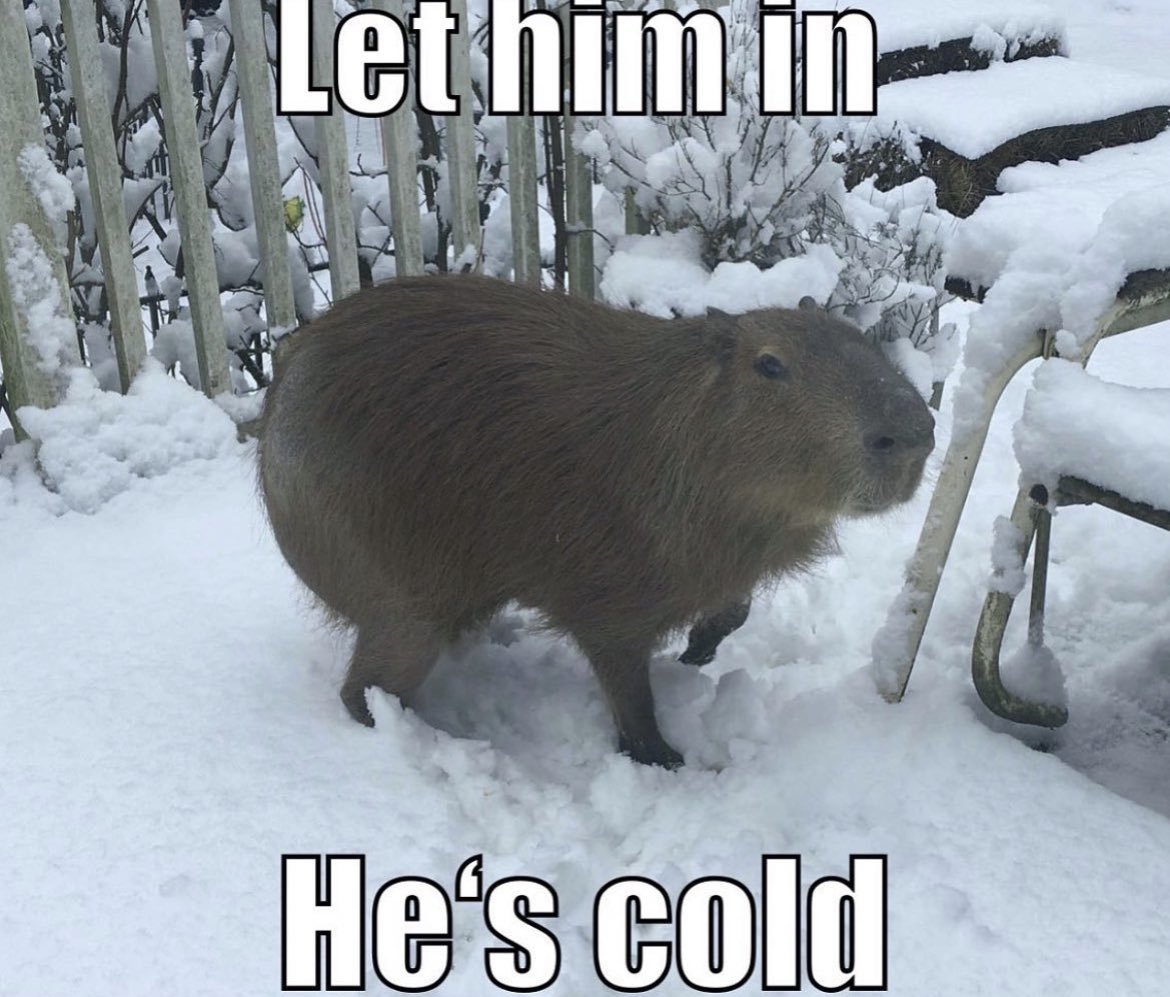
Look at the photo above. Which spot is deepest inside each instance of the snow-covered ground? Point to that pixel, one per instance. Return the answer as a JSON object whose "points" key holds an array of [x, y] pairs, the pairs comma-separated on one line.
{"points": [[1127, 34], [169, 727]]}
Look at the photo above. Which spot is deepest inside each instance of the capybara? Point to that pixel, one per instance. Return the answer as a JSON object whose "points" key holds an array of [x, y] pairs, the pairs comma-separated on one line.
{"points": [[434, 448]]}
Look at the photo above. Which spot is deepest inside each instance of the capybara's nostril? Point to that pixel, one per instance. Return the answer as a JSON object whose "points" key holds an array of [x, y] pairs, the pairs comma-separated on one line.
{"points": [[880, 442]]}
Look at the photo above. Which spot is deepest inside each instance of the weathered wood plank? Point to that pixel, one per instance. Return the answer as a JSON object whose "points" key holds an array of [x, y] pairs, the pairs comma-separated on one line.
{"points": [[635, 223], [186, 170], [263, 162], [578, 193], [578, 215], [522, 192], [400, 155], [333, 163], [462, 172], [79, 18]]}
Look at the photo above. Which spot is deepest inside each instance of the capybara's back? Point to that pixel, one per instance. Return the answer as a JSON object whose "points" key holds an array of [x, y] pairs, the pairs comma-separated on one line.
{"points": [[436, 447]]}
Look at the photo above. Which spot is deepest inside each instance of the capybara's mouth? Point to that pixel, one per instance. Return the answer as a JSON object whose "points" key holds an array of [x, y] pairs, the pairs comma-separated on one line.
{"points": [[883, 494]]}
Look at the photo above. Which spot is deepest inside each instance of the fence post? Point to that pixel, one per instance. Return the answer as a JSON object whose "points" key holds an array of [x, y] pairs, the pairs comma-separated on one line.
{"points": [[186, 171], [635, 223], [463, 172], [25, 382], [333, 163], [578, 195], [522, 192], [400, 156], [263, 162], [105, 182]]}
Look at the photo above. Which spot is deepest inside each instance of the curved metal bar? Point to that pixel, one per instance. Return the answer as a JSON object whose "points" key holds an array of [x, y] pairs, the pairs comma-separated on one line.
{"points": [[985, 652]]}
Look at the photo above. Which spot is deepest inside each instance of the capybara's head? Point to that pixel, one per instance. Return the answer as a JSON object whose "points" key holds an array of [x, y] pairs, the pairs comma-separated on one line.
{"points": [[823, 421]]}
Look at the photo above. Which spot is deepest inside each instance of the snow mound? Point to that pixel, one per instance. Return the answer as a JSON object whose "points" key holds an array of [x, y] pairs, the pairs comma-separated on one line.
{"points": [[910, 23], [1058, 284], [1060, 205], [95, 443], [1110, 434], [662, 275]]}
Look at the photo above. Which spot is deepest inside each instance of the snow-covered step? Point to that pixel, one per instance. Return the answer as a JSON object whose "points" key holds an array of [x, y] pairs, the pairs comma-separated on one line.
{"points": [[965, 128], [975, 113], [1056, 207], [924, 37]]}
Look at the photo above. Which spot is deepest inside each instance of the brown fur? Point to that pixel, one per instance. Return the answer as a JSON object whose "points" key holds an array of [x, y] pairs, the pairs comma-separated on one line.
{"points": [[435, 448]]}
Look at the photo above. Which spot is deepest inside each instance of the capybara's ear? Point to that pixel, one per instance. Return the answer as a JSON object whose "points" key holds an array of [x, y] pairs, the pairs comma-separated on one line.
{"points": [[808, 304], [719, 329]]}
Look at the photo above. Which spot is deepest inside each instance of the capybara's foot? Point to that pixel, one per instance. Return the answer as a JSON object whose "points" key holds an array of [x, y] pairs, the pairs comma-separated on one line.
{"points": [[353, 695], [393, 655], [708, 633], [650, 751], [698, 654]]}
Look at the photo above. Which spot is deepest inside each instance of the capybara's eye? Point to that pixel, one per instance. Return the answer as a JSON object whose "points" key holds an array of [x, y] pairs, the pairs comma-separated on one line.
{"points": [[770, 366]]}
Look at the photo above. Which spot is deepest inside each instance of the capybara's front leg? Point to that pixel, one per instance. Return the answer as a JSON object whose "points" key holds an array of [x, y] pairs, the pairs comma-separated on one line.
{"points": [[708, 633], [395, 654], [623, 668]]}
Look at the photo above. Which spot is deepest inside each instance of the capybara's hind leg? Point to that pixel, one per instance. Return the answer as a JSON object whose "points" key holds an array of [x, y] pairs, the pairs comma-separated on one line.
{"points": [[623, 669], [708, 633], [395, 655]]}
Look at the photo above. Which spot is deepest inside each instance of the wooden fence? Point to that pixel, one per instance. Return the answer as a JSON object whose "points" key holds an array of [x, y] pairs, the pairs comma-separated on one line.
{"points": [[25, 379]]}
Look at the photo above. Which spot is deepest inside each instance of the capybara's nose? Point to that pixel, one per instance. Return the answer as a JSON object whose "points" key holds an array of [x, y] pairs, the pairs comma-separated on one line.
{"points": [[895, 439]]}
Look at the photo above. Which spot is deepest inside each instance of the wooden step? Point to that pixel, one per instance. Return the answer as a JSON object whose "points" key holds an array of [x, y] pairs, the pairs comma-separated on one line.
{"points": [[925, 37], [963, 129]]}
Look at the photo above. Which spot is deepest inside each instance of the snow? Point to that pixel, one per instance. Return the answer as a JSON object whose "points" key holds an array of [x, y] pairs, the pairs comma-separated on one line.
{"points": [[1058, 205], [175, 345], [1079, 425], [910, 23], [169, 725], [96, 444], [1033, 672], [53, 192], [918, 366], [143, 145], [662, 275], [1008, 575], [973, 113], [1128, 34], [36, 294], [1135, 229], [656, 274], [1057, 278]]}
